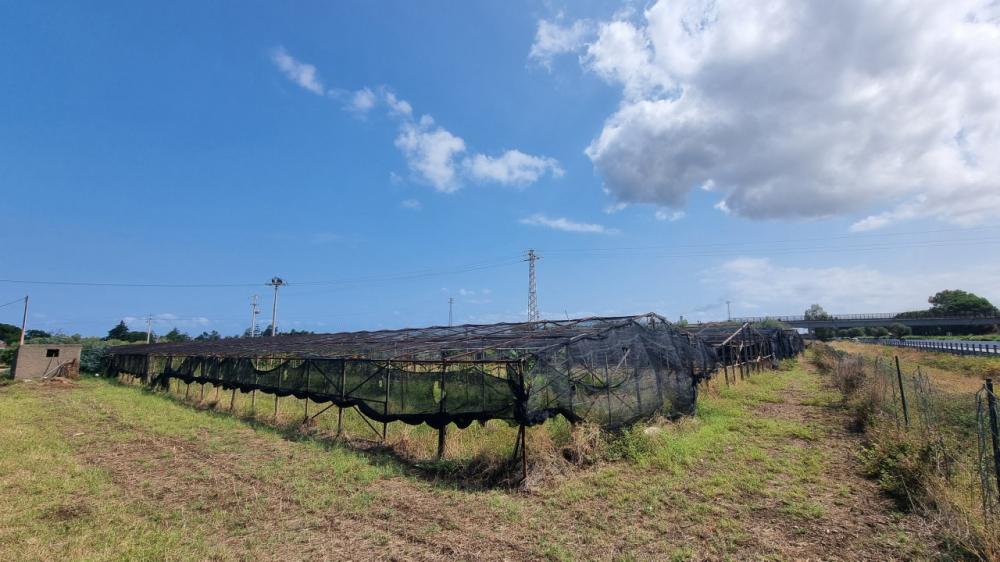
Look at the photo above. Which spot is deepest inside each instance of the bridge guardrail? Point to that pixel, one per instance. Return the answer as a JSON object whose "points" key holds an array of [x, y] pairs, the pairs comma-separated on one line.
{"points": [[955, 347], [868, 316]]}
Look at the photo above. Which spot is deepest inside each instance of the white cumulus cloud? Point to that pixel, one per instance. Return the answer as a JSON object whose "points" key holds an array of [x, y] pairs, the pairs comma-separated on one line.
{"points": [[430, 153], [787, 109], [567, 225]]}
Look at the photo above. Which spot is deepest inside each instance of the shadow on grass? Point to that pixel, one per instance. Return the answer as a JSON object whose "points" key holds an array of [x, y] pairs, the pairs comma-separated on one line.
{"points": [[481, 473]]}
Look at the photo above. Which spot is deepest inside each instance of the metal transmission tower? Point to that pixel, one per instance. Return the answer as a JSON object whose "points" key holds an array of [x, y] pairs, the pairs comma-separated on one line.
{"points": [[275, 282], [532, 295], [451, 302], [254, 311]]}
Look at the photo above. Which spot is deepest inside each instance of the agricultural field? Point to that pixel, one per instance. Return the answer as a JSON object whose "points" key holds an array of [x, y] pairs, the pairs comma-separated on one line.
{"points": [[97, 469]]}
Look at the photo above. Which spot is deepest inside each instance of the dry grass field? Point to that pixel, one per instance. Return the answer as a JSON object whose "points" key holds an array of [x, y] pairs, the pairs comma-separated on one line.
{"points": [[766, 470]]}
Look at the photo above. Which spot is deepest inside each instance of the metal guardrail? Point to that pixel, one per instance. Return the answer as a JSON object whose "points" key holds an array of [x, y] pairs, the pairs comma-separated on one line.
{"points": [[867, 316], [955, 347]]}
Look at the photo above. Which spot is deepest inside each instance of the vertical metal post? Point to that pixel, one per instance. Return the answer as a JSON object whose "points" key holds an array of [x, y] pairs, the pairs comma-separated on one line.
{"points": [[443, 431], [994, 437], [305, 416], [343, 389], [902, 393], [385, 410]]}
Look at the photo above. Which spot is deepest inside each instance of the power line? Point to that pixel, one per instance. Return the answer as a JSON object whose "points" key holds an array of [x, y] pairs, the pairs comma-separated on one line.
{"points": [[719, 249], [15, 301]]}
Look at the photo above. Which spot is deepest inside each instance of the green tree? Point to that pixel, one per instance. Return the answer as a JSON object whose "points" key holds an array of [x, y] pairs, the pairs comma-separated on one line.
{"points": [[175, 335], [35, 334], [960, 303], [208, 336], [9, 333], [816, 312], [119, 332], [899, 330]]}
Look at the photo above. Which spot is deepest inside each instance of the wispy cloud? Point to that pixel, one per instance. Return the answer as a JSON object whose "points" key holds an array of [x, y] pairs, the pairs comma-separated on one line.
{"points": [[362, 101], [167, 319], [411, 204], [325, 238], [301, 73], [553, 39], [512, 168], [567, 225], [434, 155]]}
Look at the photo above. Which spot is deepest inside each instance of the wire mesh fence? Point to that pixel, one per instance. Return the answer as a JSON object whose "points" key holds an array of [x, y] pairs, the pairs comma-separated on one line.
{"points": [[932, 429]]}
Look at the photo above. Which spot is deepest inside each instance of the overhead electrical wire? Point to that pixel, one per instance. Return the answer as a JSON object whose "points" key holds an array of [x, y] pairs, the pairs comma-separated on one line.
{"points": [[709, 249], [15, 301]]}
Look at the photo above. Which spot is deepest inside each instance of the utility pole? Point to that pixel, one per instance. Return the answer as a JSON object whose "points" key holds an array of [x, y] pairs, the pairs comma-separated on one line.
{"points": [[149, 328], [532, 296], [451, 303], [729, 315], [254, 311], [24, 319], [275, 282]]}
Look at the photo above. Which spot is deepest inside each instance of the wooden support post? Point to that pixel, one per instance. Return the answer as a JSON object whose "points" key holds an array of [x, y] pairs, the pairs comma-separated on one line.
{"points": [[232, 400], [275, 407], [442, 434]]}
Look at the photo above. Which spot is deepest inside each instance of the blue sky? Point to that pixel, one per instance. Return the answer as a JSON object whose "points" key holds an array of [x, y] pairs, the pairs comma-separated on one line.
{"points": [[383, 157]]}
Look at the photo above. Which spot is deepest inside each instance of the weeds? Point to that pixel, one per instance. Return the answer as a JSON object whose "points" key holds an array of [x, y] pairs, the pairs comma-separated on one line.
{"points": [[924, 464]]}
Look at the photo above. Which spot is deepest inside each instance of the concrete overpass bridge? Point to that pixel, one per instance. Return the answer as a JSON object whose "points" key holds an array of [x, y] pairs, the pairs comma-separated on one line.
{"points": [[838, 321]]}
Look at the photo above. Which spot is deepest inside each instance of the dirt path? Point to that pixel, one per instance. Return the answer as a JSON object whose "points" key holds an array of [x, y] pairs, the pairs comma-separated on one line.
{"points": [[858, 522]]}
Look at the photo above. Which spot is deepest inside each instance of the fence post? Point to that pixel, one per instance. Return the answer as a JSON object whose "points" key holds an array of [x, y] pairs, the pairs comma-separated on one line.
{"points": [[902, 394], [992, 401]]}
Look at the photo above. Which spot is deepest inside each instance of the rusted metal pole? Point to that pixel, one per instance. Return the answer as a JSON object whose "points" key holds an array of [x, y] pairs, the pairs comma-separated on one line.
{"points": [[991, 401], [902, 394]]}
